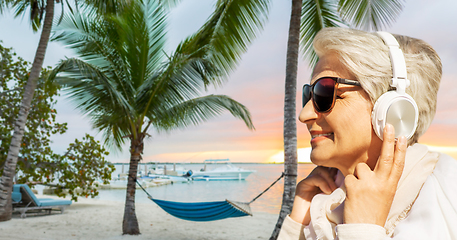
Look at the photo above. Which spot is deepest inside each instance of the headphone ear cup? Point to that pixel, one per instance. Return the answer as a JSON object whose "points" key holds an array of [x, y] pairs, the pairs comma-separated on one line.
{"points": [[398, 110]]}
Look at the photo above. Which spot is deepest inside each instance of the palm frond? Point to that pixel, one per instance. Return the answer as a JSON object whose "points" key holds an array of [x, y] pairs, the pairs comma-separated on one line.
{"points": [[370, 14], [229, 30], [316, 15], [104, 6], [3, 5], [156, 18], [93, 90], [115, 127], [187, 50], [144, 43], [84, 32], [184, 77], [198, 110], [168, 4], [97, 42], [35, 8]]}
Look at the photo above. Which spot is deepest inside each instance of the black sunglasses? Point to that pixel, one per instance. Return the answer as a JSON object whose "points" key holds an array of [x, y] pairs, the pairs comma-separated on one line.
{"points": [[323, 92]]}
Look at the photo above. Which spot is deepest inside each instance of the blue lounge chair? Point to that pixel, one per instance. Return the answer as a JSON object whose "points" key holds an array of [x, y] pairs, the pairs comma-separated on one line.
{"points": [[17, 197], [24, 200]]}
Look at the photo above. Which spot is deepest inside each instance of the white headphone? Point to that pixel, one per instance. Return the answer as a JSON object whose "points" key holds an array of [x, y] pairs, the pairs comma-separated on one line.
{"points": [[395, 107]]}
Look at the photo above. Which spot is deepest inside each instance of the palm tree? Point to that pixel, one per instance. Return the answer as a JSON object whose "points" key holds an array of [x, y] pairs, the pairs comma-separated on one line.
{"points": [[290, 121], [316, 15], [36, 9], [127, 84]]}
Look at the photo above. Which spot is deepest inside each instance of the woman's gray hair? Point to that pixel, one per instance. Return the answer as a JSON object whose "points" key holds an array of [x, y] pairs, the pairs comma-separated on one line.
{"points": [[366, 56]]}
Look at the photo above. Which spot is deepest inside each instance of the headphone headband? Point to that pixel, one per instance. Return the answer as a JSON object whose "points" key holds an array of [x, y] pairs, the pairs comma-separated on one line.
{"points": [[395, 107], [399, 79]]}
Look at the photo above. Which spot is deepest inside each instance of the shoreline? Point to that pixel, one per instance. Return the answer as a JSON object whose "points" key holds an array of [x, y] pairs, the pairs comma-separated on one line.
{"points": [[102, 219], [201, 163]]}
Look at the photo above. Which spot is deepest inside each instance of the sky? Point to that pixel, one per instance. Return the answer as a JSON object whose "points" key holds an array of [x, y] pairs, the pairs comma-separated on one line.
{"points": [[258, 83]]}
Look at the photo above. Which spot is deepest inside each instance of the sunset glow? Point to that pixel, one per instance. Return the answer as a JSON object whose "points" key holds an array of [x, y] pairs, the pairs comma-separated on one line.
{"points": [[303, 156]]}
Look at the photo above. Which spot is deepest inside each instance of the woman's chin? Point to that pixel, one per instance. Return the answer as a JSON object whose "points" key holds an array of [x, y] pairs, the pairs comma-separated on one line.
{"points": [[318, 158]]}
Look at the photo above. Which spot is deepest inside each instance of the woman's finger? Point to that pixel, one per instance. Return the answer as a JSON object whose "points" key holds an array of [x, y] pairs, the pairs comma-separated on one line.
{"points": [[399, 159], [362, 170], [386, 159], [322, 183], [314, 184], [318, 181], [328, 174]]}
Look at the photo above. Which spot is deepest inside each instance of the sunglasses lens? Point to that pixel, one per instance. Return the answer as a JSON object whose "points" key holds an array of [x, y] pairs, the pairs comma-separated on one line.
{"points": [[306, 94], [323, 94]]}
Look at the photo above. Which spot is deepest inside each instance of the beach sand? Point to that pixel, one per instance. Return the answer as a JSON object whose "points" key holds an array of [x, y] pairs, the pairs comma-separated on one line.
{"points": [[100, 219]]}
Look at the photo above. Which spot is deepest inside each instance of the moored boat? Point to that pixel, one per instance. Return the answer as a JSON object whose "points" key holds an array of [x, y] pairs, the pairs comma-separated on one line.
{"points": [[225, 172], [173, 179]]}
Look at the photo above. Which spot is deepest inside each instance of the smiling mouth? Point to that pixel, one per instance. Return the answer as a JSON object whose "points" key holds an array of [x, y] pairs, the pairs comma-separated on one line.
{"points": [[322, 135]]}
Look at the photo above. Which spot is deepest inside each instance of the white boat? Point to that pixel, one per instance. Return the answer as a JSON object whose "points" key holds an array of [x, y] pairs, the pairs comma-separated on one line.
{"points": [[225, 172], [157, 169], [120, 182], [174, 179]]}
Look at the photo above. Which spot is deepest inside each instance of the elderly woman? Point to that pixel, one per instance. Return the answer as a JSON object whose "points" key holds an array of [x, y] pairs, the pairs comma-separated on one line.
{"points": [[371, 183]]}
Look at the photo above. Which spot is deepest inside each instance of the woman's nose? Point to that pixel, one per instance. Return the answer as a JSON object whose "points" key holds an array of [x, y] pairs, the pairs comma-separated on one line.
{"points": [[307, 113]]}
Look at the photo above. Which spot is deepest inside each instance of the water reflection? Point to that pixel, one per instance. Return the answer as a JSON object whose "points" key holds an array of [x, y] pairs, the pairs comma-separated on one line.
{"points": [[202, 191]]}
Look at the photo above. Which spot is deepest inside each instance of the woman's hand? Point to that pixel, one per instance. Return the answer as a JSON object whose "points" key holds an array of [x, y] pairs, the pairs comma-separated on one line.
{"points": [[370, 193], [320, 180]]}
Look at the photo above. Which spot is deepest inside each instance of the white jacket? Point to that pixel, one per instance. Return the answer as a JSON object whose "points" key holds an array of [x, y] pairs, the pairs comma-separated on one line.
{"points": [[424, 207]]}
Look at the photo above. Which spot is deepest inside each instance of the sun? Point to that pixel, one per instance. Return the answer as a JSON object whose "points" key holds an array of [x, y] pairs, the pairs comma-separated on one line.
{"points": [[303, 156]]}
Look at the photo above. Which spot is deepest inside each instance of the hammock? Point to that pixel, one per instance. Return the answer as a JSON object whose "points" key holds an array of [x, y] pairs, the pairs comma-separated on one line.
{"points": [[207, 211]]}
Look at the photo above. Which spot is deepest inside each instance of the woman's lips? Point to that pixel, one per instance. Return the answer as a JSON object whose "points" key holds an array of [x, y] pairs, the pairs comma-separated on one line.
{"points": [[321, 136]]}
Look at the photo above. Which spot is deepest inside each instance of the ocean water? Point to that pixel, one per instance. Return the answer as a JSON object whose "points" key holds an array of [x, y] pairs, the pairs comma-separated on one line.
{"points": [[203, 191]]}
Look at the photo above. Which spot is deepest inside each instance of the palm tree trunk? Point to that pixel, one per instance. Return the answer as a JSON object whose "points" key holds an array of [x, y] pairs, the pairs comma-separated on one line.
{"points": [[130, 223], [9, 170], [290, 125]]}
